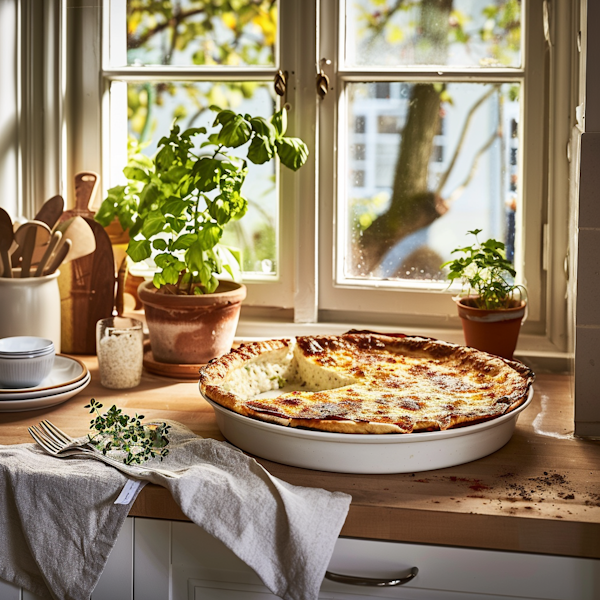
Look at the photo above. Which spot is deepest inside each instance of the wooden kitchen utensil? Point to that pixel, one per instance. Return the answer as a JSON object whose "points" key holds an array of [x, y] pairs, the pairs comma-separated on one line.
{"points": [[58, 258], [6, 240], [49, 214], [87, 284], [78, 230], [31, 236], [86, 186], [51, 211], [56, 237]]}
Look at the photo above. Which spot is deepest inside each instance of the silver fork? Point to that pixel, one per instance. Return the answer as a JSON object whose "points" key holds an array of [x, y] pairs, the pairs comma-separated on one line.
{"points": [[57, 443]]}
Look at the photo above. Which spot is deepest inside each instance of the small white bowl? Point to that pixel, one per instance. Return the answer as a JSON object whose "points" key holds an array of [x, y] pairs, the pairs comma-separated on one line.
{"points": [[25, 345], [25, 372]]}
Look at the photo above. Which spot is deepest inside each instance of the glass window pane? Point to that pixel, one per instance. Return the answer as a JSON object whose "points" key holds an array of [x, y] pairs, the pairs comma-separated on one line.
{"points": [[465, 33], [153, 106], [200, 32], [449, 165]]}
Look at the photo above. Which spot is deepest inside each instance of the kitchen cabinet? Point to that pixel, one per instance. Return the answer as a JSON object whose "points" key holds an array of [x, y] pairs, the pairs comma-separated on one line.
{"points": [[179, 560], [155, 559]]}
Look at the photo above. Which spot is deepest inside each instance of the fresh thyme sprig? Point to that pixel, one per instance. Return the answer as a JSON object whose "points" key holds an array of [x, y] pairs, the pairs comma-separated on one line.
{"points": [[117, 431]]}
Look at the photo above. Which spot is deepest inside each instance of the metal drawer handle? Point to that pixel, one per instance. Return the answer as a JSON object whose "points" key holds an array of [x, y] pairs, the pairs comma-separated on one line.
{"points": [[371, 582]]}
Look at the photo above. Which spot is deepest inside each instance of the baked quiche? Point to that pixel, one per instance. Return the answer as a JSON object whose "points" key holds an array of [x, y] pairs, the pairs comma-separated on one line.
{"points": [[363, 382]]}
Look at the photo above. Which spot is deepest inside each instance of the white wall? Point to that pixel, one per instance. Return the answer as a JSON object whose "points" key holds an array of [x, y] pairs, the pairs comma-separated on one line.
{"points": [[9, 111]]}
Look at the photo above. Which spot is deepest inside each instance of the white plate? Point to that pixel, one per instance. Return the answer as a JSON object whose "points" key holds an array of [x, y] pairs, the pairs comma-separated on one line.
{"points": [[67, 371], [44, 401], [358, 453]]}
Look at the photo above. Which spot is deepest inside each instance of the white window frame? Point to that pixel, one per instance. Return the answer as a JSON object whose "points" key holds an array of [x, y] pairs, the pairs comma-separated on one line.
{"points": [[261, 290], [308, 301], [420, 302]]}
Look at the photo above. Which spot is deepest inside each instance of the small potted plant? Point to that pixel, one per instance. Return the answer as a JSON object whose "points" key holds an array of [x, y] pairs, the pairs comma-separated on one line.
{"points": [[176, 206], [491, 305]]}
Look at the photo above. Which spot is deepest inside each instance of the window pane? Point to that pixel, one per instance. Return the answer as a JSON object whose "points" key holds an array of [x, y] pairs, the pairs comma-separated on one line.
{"points": [[467, 33], [200, 32], [152, 107], [449, 165]]}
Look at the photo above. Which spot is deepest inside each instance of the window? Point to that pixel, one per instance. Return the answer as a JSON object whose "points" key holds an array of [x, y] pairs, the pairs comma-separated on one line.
{"points": [[461, 91]]}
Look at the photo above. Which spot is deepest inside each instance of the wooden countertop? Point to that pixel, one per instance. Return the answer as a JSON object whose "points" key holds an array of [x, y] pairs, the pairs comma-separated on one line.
{"points": [[540, 493]]}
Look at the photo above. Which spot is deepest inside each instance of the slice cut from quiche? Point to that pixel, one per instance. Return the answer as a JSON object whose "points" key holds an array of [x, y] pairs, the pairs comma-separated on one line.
{"points": [[363, 382]]}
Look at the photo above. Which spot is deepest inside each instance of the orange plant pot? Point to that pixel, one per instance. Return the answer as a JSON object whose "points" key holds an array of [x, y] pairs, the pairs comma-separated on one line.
{"points": [[494, 331], [191, 329]]}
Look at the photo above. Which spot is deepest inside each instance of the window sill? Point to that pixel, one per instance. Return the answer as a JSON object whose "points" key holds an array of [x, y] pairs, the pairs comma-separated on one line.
{"points": [[534, 350]]}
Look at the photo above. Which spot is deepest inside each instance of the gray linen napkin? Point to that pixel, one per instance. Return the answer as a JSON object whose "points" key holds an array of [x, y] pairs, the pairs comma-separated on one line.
{"points": [[57, 512]]}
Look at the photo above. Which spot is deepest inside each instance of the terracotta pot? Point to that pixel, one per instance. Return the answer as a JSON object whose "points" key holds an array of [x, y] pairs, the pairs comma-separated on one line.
{"points": [[494, 331], [191, 329]]}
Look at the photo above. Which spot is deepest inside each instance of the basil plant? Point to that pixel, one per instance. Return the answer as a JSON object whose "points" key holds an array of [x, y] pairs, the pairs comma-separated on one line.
{"points": [[486, 275], [177, 204]]}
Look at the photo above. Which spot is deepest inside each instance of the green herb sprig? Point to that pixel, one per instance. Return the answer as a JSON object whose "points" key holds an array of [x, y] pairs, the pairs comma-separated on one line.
{"points": [[120, 432], [487, 276]]}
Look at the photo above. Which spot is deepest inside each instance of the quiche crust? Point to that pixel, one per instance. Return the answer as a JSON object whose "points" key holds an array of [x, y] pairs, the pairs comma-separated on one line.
{"points": [[364, 382]]}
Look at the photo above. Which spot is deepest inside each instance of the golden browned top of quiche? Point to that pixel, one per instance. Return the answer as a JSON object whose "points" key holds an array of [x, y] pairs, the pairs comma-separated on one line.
{"points": [[363, 382]]}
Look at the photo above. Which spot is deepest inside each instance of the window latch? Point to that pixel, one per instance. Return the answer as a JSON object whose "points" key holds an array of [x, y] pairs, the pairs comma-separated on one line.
{"points": [[280, 84], [322, 79]]}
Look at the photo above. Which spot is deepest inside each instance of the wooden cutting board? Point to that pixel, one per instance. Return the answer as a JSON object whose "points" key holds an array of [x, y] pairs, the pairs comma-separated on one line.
{"points": [[87, 284]]}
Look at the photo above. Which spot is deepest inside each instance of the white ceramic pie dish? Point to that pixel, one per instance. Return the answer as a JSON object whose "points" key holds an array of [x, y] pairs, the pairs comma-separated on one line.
{"points": [[365, 453]]}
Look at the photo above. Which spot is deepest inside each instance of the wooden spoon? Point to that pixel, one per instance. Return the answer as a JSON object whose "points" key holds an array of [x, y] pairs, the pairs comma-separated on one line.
{"points": [[51, 211], [59, 257], [30, 236], [6, 240], [56, 237], [81, 235]]}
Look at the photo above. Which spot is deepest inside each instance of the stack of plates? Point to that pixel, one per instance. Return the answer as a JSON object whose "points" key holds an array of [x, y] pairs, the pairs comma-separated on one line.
{"points": [[68, 377]]}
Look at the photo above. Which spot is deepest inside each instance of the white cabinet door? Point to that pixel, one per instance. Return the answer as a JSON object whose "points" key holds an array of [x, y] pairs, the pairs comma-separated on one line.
{"points": [[116, 581], [202, 568], [446, 572]]}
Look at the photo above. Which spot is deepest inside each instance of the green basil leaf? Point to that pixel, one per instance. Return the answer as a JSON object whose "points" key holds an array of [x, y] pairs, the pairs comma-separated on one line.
{"points": [[194, 257], [174, 206], [163, 260], [192, 131], [292, 152], [184, 241], [223, 116], [159, 244], [261, 150], [171, 274], [207, 173], [158, 280], [175, 174], [164, 159], [139, 250], [148, 197], [106, 213], [235, 132], [209, 235], [135, 173], [279, 122], [262, 127], [153, 224]]}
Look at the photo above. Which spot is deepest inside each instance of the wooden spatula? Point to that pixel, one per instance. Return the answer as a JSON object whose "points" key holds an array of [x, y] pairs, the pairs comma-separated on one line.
{"points": [[29, 236], [81, 235], [49, 214]]}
